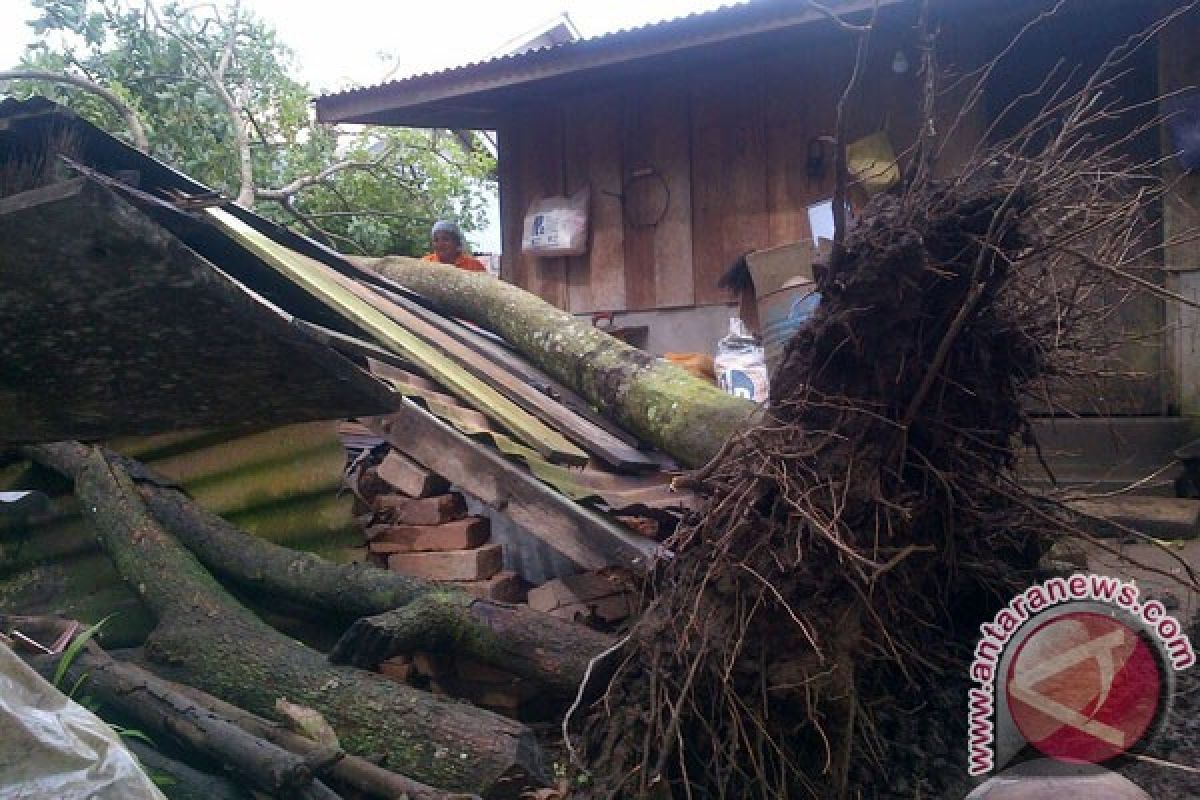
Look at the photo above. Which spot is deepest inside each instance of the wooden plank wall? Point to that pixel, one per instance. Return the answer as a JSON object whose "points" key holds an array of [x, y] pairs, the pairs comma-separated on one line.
{"points": [[656, 147], [531, 158], [593, 160], [688, 173], [729, 173]]}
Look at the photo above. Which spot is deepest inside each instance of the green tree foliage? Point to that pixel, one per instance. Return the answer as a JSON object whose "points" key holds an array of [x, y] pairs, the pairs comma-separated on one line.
{"points": [[201, 75]]}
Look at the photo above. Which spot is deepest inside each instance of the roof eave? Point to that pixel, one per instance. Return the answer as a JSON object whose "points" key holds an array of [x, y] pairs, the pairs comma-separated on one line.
{"points": [[413, 101]]}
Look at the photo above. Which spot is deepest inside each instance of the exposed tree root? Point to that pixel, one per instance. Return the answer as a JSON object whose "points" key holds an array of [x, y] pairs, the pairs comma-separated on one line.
{"points": [[856, 536]]}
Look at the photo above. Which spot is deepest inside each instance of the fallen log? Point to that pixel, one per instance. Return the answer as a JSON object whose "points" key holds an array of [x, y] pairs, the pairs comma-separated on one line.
{"points": [[413, 614], [206, 639], [659, 402], [157, 708], [348, 770]]}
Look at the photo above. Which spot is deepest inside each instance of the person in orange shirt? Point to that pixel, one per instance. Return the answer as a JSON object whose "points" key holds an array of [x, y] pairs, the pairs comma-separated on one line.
{"points": [[448, 248]]}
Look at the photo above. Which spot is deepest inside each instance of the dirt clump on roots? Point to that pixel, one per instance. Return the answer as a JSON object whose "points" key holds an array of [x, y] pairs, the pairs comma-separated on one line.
{"points": [[811, 636], [821, 608]]}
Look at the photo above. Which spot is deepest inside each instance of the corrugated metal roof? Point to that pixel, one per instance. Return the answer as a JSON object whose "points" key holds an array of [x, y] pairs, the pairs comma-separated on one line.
{"points": [[437, 97]]}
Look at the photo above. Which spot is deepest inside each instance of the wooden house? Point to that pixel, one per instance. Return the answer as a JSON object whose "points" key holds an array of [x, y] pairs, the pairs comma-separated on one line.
{"points": [[707, 136]]}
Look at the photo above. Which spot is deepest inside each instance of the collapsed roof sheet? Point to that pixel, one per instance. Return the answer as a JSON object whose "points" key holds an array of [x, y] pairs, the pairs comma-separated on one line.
{"points": [[109, 326]]}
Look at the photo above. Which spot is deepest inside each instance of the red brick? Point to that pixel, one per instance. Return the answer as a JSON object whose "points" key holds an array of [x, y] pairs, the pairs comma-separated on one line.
{"points": [[454, 565], [408, 477], [613, 608], [431, 665], [503, 587], [398, 668], [463, 534], [573, 589], [404, 510]]}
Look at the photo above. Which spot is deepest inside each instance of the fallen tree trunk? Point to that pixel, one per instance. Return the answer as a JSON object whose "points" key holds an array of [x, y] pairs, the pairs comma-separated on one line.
{"points": [[661, 403], [157, 708], [417, 615], [206, 639], [120, 682], [348, 770]]}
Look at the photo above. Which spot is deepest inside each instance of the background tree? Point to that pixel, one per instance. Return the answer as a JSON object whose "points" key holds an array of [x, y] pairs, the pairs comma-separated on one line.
{"points": [[213, 88]]}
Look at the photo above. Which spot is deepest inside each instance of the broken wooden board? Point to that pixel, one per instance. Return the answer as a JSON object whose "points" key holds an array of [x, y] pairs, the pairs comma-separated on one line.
{"points": [[110, 326], [642, 494], [334, 289], [584, 536]]}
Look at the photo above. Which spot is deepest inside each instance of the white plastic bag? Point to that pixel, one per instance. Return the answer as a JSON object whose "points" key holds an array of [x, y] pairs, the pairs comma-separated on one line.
{"points": [[52, 748], [740, 364], [557, 226]]}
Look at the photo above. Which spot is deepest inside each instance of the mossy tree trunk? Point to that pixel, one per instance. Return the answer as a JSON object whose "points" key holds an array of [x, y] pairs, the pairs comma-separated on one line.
{"points": [[204, 638], [659, 402], [413, 614]]}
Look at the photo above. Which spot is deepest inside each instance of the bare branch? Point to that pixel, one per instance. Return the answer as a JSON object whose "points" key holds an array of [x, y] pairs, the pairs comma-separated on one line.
{"points": [[131, 118], [319, 233], [241, 138], [230, 43], [302, 183], [839, 161], [833, 17]]}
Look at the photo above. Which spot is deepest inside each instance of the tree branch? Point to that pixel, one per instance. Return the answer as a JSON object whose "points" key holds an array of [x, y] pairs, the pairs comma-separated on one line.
{"points": [[241, 137], [230, 43], [281, 194], [132, 120], [836, 19], [839, 159]]}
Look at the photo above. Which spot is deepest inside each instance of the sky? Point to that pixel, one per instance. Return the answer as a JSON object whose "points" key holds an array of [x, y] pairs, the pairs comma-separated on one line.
{"points": [[364, 42], [339, 43]]}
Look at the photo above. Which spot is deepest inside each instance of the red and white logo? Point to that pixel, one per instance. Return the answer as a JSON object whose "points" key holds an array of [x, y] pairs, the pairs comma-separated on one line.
{"points": [[1084, 687]]}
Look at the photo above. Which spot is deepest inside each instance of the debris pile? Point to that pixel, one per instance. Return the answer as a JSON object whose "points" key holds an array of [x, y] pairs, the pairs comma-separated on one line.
{"points": [[417, 524]]}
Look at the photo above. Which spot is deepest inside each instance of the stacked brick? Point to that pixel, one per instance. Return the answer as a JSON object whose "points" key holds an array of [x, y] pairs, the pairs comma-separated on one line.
{"points": [[416, 525], [413, 522]]}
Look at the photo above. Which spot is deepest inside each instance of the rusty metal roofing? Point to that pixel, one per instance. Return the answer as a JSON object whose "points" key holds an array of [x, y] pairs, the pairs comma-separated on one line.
{"points": [[646, 494], [475, 94]]}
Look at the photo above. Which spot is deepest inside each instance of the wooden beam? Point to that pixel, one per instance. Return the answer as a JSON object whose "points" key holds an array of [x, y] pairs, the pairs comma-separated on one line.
{"points": [[580, 534]]}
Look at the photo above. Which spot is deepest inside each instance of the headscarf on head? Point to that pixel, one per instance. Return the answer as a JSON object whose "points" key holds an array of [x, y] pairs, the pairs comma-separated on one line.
{"points": [[446, 226]]}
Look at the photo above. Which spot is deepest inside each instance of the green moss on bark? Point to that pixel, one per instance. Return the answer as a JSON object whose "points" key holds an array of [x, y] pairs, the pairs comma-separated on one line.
{"points": [[659, 402], [206, 639]]}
